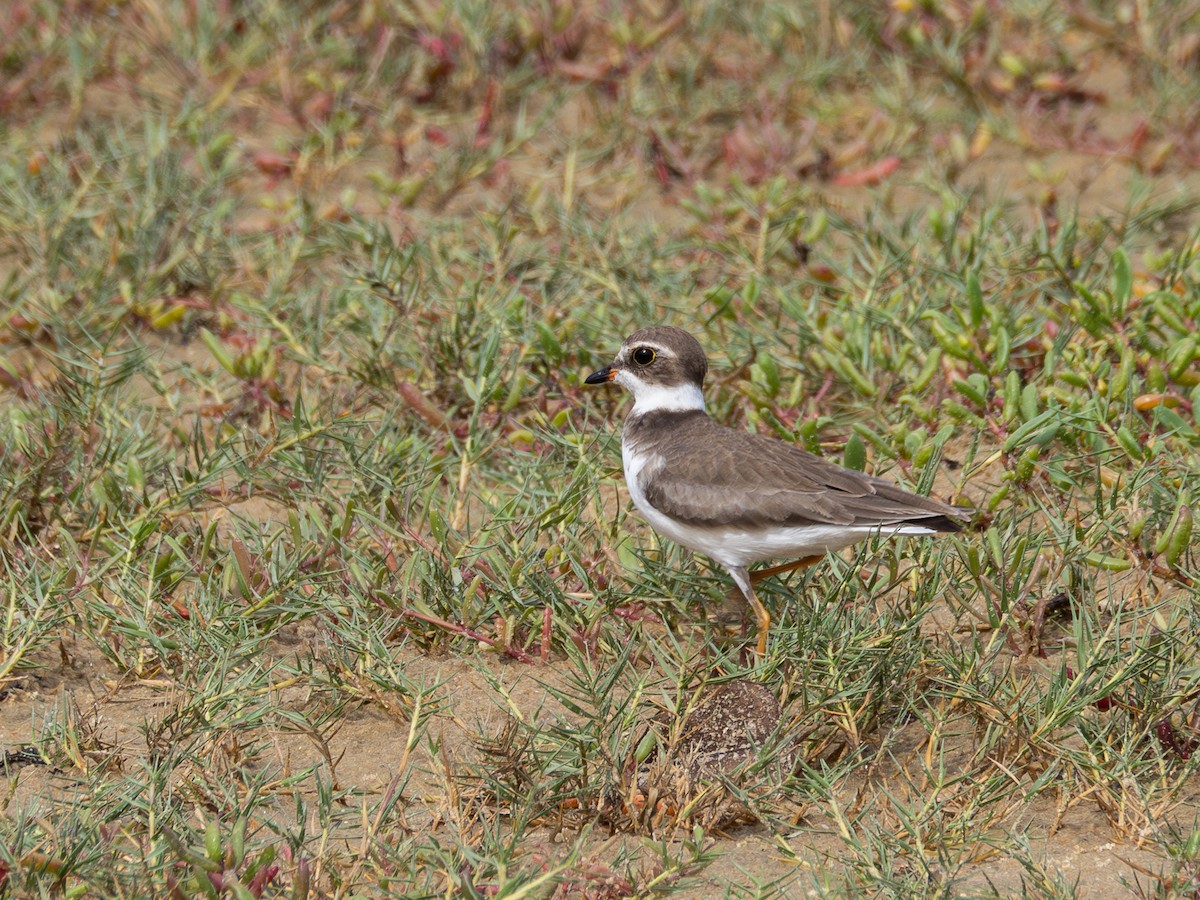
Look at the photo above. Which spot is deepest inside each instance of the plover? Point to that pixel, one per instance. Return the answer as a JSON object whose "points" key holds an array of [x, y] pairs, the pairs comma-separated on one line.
{"points": [[737, 497]]}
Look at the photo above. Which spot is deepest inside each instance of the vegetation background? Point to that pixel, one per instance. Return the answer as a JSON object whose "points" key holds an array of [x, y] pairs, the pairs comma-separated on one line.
{"points": [[319, 574]]}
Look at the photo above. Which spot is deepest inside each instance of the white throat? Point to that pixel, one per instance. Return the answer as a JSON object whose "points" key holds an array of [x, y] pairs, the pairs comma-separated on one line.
{"points": [[660, 397]]}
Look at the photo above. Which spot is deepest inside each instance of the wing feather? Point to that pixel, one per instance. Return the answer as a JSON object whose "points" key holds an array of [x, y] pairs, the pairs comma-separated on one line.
{"points": [[707, 475]]}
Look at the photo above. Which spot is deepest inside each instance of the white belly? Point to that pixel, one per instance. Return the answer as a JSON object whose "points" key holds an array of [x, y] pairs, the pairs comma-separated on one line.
{"points": [[737, 547]]}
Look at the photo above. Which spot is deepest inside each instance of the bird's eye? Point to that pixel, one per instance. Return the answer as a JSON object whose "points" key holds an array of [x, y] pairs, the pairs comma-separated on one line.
{"points": [[643, 356]]}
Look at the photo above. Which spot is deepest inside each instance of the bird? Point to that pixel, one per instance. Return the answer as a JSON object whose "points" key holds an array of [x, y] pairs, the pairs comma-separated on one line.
{"points": [[735, 496], [693, 759]]}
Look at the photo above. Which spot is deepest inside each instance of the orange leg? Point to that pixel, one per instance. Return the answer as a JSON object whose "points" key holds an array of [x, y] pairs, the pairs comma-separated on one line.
{"points": [[759, 574], [746, 580], [763, 618]]}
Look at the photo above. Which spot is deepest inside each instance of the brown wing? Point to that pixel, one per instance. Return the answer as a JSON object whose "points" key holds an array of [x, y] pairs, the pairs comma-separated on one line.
{"points": [[710, 474]]}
